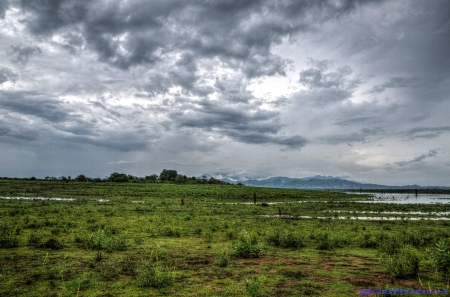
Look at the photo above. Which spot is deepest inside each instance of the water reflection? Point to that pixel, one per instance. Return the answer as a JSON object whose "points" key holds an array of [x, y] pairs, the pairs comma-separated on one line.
{"points": [[399, 198]]}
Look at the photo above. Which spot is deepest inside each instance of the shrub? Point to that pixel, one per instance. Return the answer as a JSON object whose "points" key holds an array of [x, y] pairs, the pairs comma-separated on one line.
{"points": [[151, 275], [96, 240], [285, 239], [245, 247], [389, 245], [413, 238], [440, 257], [402, 265], [328, 241], [8, 236], [224, 259], [368, 240]]}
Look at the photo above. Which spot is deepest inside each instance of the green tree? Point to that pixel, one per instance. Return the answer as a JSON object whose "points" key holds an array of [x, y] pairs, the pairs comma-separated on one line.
{"points": [[168, 175]]}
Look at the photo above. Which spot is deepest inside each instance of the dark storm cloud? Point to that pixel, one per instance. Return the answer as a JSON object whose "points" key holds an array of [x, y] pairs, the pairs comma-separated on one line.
{"points": [[394, 82], [238, 33], [3, 7], [7, 75], [34, 104], [243, 123], [20, 54], [431, 153], [40, 117], [425, 132]]}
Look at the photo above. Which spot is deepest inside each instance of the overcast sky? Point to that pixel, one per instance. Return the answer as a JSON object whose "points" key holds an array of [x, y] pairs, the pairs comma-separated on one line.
{"points": [[355, 89]]}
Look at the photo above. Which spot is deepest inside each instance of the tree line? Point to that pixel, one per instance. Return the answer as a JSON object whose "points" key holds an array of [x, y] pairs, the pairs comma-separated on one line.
{"points": [[166, 176]]}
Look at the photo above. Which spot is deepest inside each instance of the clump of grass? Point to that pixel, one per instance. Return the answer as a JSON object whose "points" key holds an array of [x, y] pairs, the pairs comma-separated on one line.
{"points": [[116, 244], [223, 259], [34, 239], [8, 235], [153, 275], [253, 286], [246, 247], [404, 264], [329, 241], [285, 239]]}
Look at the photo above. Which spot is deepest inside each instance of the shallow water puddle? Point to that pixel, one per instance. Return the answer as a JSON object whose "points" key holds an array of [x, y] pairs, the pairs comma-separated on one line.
{"points": [[46, 198], [359, 218], [37, 198], [442, 213]]}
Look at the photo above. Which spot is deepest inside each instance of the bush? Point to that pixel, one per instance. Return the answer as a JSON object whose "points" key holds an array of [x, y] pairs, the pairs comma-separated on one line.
{"points": [[328, 241], [413, 238], [96, 240], [440, 257], [389, 245], [285, 239], [156, 276], [8, 236], [402, 265], [368, 240], [245, 247]]}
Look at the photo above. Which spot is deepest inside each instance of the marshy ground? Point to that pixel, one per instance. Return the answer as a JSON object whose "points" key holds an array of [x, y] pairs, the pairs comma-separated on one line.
{"points": [[154, 239]]}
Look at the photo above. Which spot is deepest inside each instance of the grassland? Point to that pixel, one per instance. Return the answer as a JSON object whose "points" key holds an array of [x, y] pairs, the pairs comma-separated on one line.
{"points": [[144, 239]]}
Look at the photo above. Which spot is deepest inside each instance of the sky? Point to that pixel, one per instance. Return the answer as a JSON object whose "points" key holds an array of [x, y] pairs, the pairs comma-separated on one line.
{"points": [[232, 88]]}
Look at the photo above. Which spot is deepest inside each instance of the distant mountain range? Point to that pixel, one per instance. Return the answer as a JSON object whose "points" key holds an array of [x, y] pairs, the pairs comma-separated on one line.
{"points": [[318, 182]]}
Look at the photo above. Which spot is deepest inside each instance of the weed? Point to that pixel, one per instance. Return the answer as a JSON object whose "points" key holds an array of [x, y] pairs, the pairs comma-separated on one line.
{"points": [[253, 286], [157, 276], [8, 236]]}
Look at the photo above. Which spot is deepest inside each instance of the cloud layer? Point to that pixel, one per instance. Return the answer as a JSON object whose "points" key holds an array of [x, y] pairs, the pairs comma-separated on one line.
{"points": [[349, 88]]}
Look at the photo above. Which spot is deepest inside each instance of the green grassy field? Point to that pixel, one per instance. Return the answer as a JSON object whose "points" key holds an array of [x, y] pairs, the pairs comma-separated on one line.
{"points": [[153, 239]]}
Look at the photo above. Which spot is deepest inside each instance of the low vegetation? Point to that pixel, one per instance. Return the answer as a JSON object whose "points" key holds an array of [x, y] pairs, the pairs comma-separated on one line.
{"points": [[162, 238]]}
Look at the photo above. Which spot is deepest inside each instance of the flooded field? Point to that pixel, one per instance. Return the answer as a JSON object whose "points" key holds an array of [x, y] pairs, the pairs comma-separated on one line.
{"points": [[400, 198]]}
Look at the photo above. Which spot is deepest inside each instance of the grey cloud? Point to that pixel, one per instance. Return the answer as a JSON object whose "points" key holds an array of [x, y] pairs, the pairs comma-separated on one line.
{"points": [[431, 153], [355, 120], [98, 104], [4, 4], [394, 82], [323, 98], [20, 54], [239, 33], [425, 132], [243, 123], [363, 136], [326, 85], [319, 78], [291, 142], [49, 16], [34, 104], [7, 75]]}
